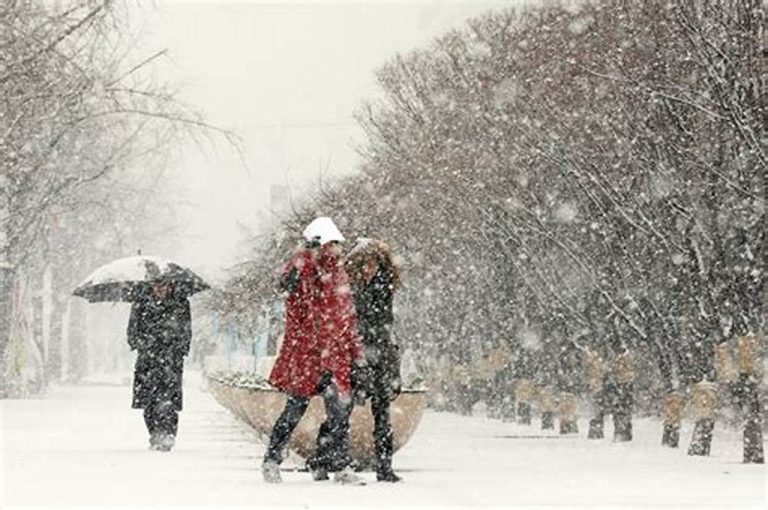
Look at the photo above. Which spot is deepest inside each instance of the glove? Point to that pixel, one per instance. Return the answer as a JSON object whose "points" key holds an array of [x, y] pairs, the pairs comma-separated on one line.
{"points": [[392, 368], [326, 380], [395, 388], [290, 282]]}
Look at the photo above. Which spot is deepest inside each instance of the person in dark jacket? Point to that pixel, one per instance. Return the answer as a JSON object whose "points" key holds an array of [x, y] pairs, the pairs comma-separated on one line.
{"points": [[375, 276], [160, 330]]}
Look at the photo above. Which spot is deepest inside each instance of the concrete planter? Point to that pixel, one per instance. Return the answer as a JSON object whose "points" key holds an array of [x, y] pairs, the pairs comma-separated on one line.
{"points": [[260, 407]]}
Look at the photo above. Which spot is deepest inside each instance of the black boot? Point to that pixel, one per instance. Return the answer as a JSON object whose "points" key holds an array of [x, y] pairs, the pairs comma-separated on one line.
{"points": [[165, 442], [387, 475], [320, 474], [319, 467], [154, 441]]}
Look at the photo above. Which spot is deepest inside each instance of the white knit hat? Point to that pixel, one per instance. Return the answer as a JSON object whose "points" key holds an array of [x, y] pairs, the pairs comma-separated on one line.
{"points": [[322, 229]]}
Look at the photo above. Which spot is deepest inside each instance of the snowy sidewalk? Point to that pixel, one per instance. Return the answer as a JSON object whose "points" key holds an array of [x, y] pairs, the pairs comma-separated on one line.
{"points": [[84, 445]]}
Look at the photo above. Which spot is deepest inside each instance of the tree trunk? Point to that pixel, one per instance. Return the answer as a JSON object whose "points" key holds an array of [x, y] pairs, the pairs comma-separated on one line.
{"points": [[623, 401], [6, 277], [596, 423], [508, 408], [547, 420], [38, 343], [46, 293], [523, 390], [748, 399], [595, 367], [673, 416], [524, 413], [671, 436], [54, 364], [622, 413], [704, 399], [701, 442], [78, 347], [568, 421], [548, 406], [596, 426]]}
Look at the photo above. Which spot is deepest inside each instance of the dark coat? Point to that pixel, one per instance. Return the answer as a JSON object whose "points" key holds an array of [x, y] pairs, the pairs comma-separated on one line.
{"points": [[320, 327], [373, 302], [160, 332]]}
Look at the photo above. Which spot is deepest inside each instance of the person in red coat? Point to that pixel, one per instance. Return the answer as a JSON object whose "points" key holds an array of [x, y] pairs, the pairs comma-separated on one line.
{"points": [[296, 371], [320, 347]]}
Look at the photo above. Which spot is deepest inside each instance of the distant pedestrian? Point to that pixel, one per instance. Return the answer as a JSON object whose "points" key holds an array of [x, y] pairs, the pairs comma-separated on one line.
{"points": [[160, 330]]}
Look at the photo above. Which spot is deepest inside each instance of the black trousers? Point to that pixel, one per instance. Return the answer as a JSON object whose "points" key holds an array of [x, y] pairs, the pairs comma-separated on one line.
{"points": [[332, 452], [382, 427], [161, 417]]}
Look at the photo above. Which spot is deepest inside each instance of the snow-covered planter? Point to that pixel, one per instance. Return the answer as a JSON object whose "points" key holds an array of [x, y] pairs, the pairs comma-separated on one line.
{"points": [[251, 398]]}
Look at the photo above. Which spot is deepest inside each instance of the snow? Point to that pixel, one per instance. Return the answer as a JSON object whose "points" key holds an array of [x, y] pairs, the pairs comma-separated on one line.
{"points": [[506, 92], [530, 339], [83, 445], [581, 24], [324, 229], [125, 270], [566, 212], [361, 243]]}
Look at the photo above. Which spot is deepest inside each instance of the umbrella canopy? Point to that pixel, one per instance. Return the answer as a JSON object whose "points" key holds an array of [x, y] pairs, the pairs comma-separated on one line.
{"points": [[131, 278]]}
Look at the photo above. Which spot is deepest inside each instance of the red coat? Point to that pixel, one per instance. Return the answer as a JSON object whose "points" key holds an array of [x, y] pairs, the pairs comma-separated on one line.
{"points": [[337, 332], [320, 328]]}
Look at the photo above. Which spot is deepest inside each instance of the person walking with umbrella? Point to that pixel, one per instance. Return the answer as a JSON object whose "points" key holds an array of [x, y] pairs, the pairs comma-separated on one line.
{"points": [[320, 347], [159, 330]]}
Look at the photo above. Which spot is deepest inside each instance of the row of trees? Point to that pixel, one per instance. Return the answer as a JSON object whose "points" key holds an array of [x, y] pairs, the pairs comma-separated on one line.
{"points": [[85, 132], [571, 184]]}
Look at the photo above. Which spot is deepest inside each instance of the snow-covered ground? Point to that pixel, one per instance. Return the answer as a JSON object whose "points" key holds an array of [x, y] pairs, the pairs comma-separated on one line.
{"points": [[84, 445]]}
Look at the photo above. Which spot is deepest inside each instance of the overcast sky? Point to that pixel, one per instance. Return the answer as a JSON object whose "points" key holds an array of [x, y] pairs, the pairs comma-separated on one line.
{"points": [[287, 76]]}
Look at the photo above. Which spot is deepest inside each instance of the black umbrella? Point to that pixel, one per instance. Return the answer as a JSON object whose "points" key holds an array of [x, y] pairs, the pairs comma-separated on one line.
{"points": [[131, 278]]}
